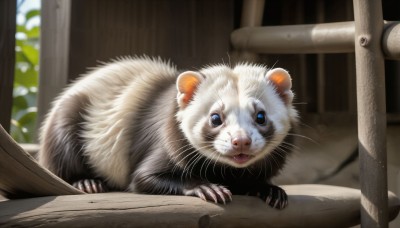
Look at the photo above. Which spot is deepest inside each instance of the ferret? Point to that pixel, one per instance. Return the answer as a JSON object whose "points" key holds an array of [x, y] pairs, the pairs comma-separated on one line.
{"points": [[137, 124]]}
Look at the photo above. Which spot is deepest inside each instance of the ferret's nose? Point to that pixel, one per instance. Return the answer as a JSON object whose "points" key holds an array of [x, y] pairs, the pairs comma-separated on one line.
{"points": [[241, 143]]}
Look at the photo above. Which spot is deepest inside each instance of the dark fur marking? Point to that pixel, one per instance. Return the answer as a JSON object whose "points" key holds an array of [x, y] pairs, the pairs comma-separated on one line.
{"points": [[62, 143], [209, 133], [268, 131]]}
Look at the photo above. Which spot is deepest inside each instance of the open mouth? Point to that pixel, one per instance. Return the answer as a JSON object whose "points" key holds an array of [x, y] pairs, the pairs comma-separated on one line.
{"points": [[241, 158]]}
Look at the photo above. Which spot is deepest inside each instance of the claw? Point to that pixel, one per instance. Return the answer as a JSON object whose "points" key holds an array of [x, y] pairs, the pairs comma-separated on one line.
{"points": [[212, 192], [90, 186], [200, 194], [207, 190], [219, 192], [268, 200], [276, 197], [227, 192]]}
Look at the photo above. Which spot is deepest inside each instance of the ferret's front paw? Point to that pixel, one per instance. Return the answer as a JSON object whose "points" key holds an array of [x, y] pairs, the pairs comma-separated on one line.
{"points": [[90, 186], [275, 197], [212, 192]]}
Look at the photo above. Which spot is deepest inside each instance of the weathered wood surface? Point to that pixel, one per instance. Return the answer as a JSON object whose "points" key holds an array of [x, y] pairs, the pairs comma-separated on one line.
{"points": [[22, 176], [309, 206], [371, 112]]}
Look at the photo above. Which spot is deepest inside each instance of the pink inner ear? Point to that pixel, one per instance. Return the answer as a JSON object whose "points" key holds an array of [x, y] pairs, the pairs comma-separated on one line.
{"points": [[281, 79], [187, 85], [188, 96]]}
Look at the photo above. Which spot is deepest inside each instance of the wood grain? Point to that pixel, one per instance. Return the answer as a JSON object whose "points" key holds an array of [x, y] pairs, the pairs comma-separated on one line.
{"points": [[309, 206], [371, 112], [22, 176]]}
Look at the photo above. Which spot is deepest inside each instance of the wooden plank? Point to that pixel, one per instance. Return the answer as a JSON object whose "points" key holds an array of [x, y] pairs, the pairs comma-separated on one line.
{"points": [[7, 59], [309, 206], [371, 109], [22, 176]]}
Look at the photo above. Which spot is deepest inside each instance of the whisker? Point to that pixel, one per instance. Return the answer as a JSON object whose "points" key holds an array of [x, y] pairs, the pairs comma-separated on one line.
{"points": [[303, 136]]}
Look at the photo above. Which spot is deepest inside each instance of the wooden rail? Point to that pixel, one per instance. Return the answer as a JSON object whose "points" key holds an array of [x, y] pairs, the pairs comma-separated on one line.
{"points": [[335, 37]]}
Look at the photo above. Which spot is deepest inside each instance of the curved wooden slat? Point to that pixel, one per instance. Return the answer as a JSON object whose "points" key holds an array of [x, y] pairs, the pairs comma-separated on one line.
{"points": [[22, 176]]}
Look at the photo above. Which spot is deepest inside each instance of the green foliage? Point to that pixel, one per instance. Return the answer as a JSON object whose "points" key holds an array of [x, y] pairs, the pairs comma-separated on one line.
{"points": [[26, 80]]}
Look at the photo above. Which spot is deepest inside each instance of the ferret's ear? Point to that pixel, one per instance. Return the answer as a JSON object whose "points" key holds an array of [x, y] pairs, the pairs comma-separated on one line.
{"points": [[282, 81], [186, 84]]}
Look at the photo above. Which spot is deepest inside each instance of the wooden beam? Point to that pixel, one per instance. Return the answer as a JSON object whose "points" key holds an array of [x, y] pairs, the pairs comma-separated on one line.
{"points": [[309, 206], [7, 59], [335, 37], [371, 109], [296, 39]]}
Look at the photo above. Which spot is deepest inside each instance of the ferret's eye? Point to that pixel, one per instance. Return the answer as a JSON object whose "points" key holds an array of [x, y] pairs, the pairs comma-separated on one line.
{"points": [[260, 118], [215, 119]]}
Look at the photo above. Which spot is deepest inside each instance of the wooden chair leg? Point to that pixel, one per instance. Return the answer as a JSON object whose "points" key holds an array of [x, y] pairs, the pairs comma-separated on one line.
{"points": [[371, 105]]}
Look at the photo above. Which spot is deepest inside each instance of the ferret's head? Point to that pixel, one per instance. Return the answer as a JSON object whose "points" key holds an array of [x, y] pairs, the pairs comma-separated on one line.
{"points": [[235, 116]]}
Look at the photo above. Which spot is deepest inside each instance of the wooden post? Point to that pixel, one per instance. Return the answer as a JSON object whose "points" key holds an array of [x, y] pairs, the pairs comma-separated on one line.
{"points": [[371, 110], [252, 13], [252, 16], [7, 59], [320, 62], [54, 53]]}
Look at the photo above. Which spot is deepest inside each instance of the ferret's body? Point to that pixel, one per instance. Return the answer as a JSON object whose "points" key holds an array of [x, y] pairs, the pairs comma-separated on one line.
{"points": [[134, 125]]}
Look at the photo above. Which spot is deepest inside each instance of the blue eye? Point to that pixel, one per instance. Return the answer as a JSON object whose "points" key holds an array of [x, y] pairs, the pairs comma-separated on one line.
{"points": [[215, 120], [260, 118]]}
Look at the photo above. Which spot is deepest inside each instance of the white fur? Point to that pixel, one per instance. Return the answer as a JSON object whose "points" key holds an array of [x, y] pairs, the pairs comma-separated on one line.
{"points": [[234, 93], [112, 108]]}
